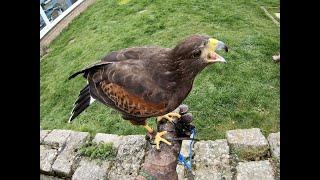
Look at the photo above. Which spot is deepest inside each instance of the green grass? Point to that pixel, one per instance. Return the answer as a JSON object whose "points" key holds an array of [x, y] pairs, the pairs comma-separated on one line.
{"points": [[243, 93], [101, 151]]}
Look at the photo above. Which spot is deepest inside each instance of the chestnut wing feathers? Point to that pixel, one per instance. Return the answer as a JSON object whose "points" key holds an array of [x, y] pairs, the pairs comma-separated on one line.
{"points": [[129, 103], [127, 86]]}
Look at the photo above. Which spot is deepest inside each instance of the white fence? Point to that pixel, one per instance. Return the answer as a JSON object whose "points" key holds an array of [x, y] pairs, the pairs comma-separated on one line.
{"points": [[47, 23]]}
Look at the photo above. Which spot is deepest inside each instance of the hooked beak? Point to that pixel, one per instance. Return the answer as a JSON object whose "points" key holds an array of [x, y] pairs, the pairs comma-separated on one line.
{"points": [[214, 57], [220, 59], [222, 46]]}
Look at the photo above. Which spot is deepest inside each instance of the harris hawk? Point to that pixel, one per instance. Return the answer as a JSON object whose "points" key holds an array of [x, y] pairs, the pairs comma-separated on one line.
{"points": [[144, 82]]}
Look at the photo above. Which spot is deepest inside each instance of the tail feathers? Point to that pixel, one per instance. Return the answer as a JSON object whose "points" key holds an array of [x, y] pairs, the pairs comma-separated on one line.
{"points": [[83, 101], [76, 74], [83, 98], [85, 89], [87, 69]]}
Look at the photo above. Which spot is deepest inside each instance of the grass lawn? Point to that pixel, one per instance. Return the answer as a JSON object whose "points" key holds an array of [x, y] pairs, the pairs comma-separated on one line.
{"points": [[243, 93]]}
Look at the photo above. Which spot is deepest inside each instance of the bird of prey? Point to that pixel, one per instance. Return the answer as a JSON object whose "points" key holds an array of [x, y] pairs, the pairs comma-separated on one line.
{"points": [[144, 82]]}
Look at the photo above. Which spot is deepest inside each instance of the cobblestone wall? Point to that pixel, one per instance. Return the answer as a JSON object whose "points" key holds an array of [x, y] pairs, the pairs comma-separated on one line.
{"points": [[245, 154]]}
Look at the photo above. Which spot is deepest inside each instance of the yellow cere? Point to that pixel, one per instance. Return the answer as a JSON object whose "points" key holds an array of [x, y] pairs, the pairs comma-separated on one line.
{"points": [[212, 43]]}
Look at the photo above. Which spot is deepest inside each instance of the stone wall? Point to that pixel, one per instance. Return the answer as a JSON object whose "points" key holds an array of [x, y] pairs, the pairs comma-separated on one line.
{"points": [[245, 154]]}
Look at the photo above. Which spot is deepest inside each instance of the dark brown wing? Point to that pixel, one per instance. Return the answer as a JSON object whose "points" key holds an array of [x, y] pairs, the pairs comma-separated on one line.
{"points": [[137, 53], [127, 86], [141, 108]]}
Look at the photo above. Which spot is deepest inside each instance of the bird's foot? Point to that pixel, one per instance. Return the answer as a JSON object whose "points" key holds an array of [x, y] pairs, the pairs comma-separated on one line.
{"points": [[170, 117], [148, 128], [150, 132], [149, 138], [158, 139]]}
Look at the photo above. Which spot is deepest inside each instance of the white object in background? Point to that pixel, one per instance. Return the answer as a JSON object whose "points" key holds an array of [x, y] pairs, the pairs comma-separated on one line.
{"points": [[50, 25], [44, 16]]}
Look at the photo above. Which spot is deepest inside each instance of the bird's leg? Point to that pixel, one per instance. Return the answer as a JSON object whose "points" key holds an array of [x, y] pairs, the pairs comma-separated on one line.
{"points": [[170, 117], [158, 139], [150, 133], [144, 123], [149, 129]]}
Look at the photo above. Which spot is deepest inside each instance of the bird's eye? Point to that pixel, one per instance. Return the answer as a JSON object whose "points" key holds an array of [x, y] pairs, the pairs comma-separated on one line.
{"points": [[196, 54]]}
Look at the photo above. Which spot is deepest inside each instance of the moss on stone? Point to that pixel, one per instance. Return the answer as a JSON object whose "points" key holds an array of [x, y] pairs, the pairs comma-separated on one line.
{"points": [[102, 151]]}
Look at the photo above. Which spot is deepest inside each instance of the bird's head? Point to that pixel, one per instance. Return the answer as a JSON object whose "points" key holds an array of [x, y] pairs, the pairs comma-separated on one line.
{"points": [[201, 48]]}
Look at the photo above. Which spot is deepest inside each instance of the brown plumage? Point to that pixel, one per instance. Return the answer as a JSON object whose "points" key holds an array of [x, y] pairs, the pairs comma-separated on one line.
{"points": [[145, 82]]}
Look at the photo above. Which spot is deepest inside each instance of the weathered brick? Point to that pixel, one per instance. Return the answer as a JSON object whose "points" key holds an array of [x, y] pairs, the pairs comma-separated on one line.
{"points": [[47, 157], [57, 138], [90, 169], [212, 160], [108, 138], [76, 139], [205, 174], [43, 134], [274, 141], [67, 160], [130, 154], [247, 144], [46, 177], [255, 170]]}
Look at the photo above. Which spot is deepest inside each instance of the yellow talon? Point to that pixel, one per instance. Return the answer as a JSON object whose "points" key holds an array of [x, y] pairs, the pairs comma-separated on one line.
{"points": [[149, 129], [158, 138], [170, 117]]}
